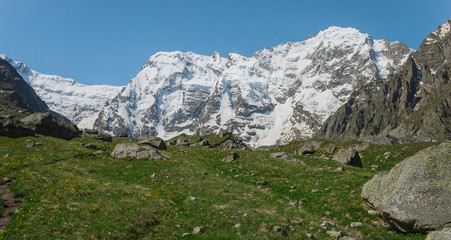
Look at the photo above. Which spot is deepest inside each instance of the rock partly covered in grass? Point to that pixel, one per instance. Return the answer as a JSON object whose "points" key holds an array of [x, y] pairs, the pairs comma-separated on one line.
{"points": [[330, 148], [415, 195], [94, 134], [133, 150], [309, 147], [152, 141], [231, 142], [286, 156], [349, 157]]}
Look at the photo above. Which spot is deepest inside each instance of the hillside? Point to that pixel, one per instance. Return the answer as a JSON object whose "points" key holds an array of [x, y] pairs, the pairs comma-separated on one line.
{"points": [[73, 192]]}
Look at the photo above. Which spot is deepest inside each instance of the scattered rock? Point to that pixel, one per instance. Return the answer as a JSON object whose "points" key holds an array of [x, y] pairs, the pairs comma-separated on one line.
{"points": [[238, 225], [387, 155], [356, 224], [173, 142], [231, 142], [262, 183], [6, 155], [374, 167], [335, 234], [152, 141], [130, 166], [340, 169], [415, 195], [286, 156], [198, 230], [97, 152], [94, 134], [133, 150], [440, 235], [279, 230], [30, 145], [232, 156], [299, 222], [349, 157], [309, 235], [327, 224], [308, 147], [347, 238], [182, 141], [89, 145], [330, 148], [192, 198], [187, 234]]}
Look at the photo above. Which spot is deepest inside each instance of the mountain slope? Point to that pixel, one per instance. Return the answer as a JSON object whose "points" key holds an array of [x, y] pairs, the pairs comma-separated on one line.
{"points": [[78, 102], [275, 96], [15, 92], [415, 102]]}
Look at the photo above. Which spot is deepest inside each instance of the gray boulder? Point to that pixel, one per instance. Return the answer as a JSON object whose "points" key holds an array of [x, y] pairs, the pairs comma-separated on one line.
{"points": [[49, 125], [94, 134], [152, 141], [309, 147], [415, 195], [133, 150], [286, 156], [231, 157], [330, 148], [349, 157], [182, 141], [14, 129], [440, 235]]}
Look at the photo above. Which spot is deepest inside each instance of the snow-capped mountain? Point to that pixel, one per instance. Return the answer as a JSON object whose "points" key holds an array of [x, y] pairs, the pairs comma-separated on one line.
{"points": [[78, 102], [277, 95]]}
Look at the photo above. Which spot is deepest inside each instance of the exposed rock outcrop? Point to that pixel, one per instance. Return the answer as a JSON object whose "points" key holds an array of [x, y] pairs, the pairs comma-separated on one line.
{"points": [[415, 195], [413, 105]]}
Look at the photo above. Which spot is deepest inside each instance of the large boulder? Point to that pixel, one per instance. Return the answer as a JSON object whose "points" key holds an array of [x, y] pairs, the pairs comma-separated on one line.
{"points": [[49, 125], [349, 157], [152, 141], [309, 147], [133, 150], [14, 129], [415, 195], [440, 235], [182, 141]]}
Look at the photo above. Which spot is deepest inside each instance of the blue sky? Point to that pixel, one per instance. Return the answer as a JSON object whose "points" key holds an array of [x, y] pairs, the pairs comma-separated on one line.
{"points": [[107, 41]]}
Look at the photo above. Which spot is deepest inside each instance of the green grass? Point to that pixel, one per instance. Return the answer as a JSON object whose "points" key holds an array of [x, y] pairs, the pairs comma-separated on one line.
{"points": [[67, 193]]}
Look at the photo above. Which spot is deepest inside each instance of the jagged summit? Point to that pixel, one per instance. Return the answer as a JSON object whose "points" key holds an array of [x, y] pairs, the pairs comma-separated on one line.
{"points": [[411, 105]]}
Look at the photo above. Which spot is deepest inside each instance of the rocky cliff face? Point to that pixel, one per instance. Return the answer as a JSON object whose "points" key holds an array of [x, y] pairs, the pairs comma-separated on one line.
{"points": [[275, 96], [79, 103], [413, 104], [16, 93]]}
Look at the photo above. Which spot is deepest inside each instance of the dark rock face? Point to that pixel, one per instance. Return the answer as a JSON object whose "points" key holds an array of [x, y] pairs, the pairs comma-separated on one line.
{"points": [[410, 105], [415, 195], [32, 114], [46, 124], [15, 91]]}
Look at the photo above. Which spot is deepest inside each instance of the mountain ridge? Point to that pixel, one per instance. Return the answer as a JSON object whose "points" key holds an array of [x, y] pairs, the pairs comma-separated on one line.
{"points": [[409, 106]]}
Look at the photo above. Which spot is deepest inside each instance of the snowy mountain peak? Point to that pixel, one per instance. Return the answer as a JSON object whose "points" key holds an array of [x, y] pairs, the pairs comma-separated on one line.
{"points": [[277, 95], [78, 102], [439, 33]]}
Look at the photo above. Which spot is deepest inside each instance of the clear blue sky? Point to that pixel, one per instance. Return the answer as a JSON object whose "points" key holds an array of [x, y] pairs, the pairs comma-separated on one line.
{"points": [[107, 41]]}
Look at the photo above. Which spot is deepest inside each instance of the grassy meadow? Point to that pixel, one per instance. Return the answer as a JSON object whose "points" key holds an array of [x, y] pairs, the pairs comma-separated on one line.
{"points": [[64, 191]]}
